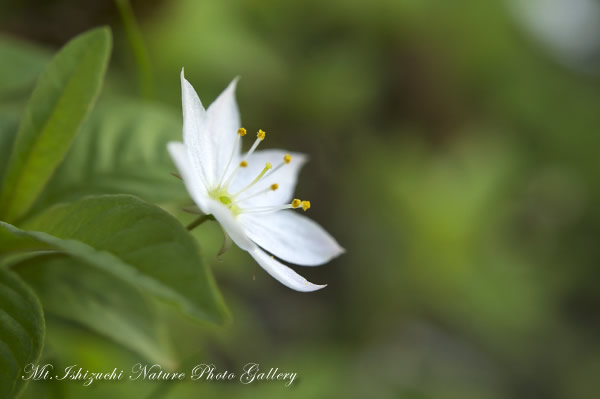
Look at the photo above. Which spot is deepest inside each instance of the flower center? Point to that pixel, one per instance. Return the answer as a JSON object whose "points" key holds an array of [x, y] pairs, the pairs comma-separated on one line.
{"points": [[225, 200]]}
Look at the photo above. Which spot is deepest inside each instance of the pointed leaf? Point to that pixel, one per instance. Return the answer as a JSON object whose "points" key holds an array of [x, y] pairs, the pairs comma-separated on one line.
{"points": [[130, 239], [61, 100]]}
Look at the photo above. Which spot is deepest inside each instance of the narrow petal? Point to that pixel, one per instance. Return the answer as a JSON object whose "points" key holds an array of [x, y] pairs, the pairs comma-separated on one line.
{"points": [[223, 122], [195, 133], [291, 237], [230, 224], [284, 274], [192, 178], [286, 178]]}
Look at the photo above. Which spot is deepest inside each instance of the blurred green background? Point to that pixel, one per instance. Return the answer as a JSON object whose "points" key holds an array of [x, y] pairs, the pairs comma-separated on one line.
{"points": [[452, 153]]}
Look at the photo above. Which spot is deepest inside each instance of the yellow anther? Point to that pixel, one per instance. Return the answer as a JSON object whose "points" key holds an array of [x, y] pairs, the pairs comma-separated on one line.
{"points": [[243, 164], [296, 203], [305, 205], [242, 131], [268, 166], [261, 134], [274, 186], [287, 158]]}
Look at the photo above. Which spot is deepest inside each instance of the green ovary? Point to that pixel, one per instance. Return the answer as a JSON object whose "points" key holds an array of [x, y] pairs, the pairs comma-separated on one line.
{"points": [[225, 200]]}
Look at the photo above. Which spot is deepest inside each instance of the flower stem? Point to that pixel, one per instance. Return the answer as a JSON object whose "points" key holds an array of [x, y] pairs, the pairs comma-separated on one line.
{"points": [[201, 219], [140, 53]]}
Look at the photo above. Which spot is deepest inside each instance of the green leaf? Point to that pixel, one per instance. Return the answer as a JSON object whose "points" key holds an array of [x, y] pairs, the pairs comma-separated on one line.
{"points": [[130, 239], [62, 98], [9, 123], [22, 331], [121, 149], [21, 65], [71, 289]]}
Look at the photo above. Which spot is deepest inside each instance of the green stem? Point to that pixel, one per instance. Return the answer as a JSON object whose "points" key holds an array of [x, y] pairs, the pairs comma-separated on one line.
{"points": [[201, 219], [140, 54]]}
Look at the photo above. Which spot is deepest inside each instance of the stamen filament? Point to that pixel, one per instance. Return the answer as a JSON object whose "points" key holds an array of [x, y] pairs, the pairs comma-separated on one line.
{"points": [[240, 133], [276, 168], [256, 143], [267, 167], [242, 164], [286, 160], [237, 142], [260, 136], [296, 203], [273, 187], [267, 209]]}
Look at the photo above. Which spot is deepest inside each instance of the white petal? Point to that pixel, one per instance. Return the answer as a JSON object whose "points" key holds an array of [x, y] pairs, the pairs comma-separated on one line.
{"points": [[192, 178], [284, 274], [286, 177], [232, 225], [195, 133], [291, 237], [223, 122]]}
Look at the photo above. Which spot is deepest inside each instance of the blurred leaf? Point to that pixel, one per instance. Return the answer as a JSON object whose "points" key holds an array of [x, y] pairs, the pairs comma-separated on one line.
{"points": [[69, 288], [138, 48], [130, 239], [121, 149], [21, 65], [174, 36], [22, 332], [60, 102], [9, 123], [67, 344]]}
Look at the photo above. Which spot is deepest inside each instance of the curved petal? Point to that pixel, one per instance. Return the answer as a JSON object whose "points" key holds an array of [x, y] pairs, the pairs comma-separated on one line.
{"points": [[291, 237], [284, 274], [230, 224], [195, 133], [286, 178], [223, 121], [193, 181]]}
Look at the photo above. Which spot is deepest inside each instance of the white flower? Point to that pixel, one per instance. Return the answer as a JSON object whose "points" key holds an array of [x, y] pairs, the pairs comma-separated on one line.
{"points": [[251, 199]]}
